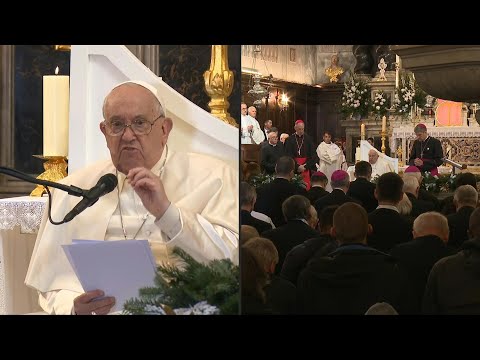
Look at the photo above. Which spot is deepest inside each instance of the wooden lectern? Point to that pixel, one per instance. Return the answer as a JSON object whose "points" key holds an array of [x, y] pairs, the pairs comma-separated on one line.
{"points": [[251, 152]]}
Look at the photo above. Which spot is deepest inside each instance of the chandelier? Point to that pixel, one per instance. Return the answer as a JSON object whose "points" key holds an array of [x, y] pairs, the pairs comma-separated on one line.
{"points": [[258, 92]]}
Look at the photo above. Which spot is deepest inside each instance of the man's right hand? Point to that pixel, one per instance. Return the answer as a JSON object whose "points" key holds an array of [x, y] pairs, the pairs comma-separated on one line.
{"points": [[86, 305]]}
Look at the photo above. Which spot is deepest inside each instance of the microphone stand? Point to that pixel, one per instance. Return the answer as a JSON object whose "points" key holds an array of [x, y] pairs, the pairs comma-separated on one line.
{"points": [[72, 190]]}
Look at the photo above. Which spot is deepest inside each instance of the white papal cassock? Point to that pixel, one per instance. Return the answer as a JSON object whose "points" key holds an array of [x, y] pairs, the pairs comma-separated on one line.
{"points": [[202, 220], [331, 159], [257, 135], [381, 167]]}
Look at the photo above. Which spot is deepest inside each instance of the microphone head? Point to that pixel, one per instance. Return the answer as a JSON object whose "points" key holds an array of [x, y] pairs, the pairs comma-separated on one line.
{"points": [[108, 182]]}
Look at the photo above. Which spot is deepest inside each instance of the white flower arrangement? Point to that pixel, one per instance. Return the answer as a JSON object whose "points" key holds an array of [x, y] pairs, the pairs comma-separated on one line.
{"points": [[407, 95], [380, 104], [356, 97]]}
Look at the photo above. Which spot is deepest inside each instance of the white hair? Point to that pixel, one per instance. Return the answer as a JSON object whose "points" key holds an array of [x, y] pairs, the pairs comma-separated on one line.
{"points": [[466, 195]]}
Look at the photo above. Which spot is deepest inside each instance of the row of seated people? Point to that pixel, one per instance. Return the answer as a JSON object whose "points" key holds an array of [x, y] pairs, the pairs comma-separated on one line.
{"points": [[297, 241]]}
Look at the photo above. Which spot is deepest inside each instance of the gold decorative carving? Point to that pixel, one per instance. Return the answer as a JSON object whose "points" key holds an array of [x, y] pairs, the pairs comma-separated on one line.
{"points": [[55, 170], [334, 71], [219, 84]]}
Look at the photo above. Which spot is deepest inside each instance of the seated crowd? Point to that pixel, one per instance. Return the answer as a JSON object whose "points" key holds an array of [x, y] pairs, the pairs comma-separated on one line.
{"points": [[363, 248]]}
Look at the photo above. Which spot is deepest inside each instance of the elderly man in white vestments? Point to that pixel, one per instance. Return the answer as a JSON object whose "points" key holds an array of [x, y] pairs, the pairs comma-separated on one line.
{"points": [[331, 157], [379, 166], [251, 133], [172, 199]]}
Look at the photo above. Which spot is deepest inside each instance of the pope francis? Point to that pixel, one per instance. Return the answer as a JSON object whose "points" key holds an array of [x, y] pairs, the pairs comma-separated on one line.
{"points": [[172, 199]]}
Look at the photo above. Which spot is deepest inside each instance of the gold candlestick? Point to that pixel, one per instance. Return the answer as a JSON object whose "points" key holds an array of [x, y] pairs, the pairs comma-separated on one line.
{"points": [[55, 170], [219, 84], [384, 134]]}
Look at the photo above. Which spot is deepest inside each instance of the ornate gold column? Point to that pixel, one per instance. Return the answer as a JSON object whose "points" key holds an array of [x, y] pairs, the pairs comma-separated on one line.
{"points": [[219, 84]]}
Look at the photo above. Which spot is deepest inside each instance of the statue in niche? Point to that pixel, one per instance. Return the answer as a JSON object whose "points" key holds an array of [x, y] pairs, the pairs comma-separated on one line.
{"points": [[364, 59], [334, 71]]}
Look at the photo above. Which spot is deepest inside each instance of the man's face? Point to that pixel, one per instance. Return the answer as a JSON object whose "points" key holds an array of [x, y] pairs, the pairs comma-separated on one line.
{"points": [[422, 136], [252, 111], [268, 124], [327, 138], [273, 138], [244, 109], [128, 103], [372, 157], [283, 137], [300, 129]]}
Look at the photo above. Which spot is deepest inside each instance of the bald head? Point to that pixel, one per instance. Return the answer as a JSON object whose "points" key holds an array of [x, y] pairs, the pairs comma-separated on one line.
{"points": [[284, 137], [465, 195], [350, 224], [431, 223]]}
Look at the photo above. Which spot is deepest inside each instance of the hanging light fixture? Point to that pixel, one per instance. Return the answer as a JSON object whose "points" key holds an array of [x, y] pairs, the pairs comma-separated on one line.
{"points": [[258, 92]]}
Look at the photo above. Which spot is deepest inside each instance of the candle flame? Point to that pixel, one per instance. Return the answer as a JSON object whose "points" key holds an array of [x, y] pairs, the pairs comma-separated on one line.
{"points": [[56, 70]]}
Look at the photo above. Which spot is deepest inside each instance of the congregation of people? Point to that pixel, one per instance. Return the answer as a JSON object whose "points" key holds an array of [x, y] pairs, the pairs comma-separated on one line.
{"points": [[356, 247]]}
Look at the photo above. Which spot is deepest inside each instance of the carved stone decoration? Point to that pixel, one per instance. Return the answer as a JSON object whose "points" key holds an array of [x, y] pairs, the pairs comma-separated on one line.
{"points": [[449, 72], [383, 51], [364, 59]]}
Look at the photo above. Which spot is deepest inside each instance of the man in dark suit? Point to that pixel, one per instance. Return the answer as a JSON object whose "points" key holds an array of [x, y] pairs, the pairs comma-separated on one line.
{"points": [[453, 286], [298, 257], [352, 278], [417, 257], [362, 189], [248, 196], [411, 187], [271, 196], [319, 181], [271, 152], [389, 228], [300, 216], [465, 178], [427, 152], [340, 182], [465, 200]]}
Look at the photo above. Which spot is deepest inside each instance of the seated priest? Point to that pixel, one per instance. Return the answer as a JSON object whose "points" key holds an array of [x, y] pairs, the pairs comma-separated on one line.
{"points": [[379, 165]]}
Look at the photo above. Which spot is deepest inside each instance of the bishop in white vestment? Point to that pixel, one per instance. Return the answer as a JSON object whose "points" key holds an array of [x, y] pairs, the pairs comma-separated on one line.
{"points": [[379, 165], [172, 199], [331, 158]]}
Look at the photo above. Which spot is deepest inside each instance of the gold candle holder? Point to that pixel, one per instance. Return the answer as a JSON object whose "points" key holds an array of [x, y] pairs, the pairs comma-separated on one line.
{"points": [[55, 170], [219, 84], [384, 136]]}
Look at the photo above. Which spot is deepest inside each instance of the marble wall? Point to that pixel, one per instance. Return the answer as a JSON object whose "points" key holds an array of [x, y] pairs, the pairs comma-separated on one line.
{"points": [[303, 64]]}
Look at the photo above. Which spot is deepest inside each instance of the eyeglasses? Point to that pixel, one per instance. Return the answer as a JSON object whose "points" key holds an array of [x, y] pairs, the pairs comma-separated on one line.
{"points": [[138, 126]]}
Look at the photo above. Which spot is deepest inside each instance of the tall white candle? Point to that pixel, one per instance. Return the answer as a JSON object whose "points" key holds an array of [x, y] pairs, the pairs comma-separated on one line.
{"points": [[362, 132], [397, 73], [384, 124], [56, 100]]}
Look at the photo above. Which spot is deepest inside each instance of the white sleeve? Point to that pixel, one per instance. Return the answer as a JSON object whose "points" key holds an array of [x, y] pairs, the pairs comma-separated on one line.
{"points": [[58, 302], [198, 237]]}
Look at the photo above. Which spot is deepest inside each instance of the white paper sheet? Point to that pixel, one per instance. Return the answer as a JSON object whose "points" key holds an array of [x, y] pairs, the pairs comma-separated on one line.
{"points": [[119, 268]]}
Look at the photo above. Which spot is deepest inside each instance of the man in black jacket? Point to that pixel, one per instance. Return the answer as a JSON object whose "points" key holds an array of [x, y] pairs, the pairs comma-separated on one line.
{"points": [[389, 228], [352, 278], [427, 152], [299, 227], [319, 181], [270, 197], [362, 189], [417, 257], [453, 286], [465, 200], [271, 152], [248, 196]]}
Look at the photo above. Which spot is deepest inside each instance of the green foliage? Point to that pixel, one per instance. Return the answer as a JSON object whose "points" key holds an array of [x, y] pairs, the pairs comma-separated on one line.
{"points": [[407, 94], [263, 178], [441, 183], [217, 283]]}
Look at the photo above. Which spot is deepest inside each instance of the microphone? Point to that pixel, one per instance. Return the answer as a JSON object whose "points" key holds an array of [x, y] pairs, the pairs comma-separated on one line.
{"points": [[105, 184]]}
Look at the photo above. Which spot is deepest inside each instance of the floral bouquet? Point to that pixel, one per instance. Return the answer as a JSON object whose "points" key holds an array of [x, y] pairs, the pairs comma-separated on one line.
{"points": [[356, 97], [380, 104], [408, 94], [195, 289]]}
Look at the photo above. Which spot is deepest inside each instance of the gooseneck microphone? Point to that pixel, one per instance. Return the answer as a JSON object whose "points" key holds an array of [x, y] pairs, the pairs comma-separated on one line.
{"points": [[104, 185]]}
